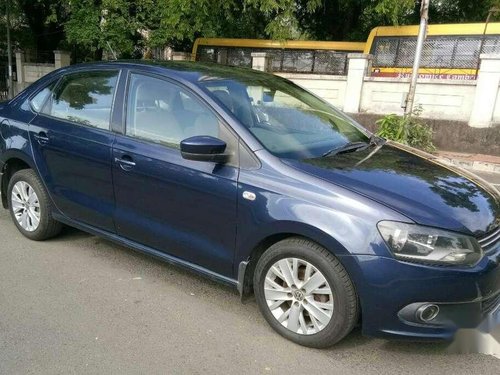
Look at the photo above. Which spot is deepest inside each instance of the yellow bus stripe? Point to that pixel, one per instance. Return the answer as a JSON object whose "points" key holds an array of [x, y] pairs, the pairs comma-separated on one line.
{"points": [[287, 44]]}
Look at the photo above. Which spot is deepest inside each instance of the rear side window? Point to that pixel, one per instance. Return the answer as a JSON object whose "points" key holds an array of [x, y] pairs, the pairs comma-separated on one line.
{"points": [[84, 98]]}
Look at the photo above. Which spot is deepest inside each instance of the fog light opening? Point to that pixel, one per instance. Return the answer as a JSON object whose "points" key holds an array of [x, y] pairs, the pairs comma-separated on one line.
{"points": [[427, 313]]}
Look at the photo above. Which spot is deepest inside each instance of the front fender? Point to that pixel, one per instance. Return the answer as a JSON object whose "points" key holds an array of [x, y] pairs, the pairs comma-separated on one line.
{"points": [[285, 202]]}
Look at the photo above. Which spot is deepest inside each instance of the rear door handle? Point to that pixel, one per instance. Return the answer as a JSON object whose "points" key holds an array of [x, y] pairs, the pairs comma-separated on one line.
{"points": [[41, 137]]}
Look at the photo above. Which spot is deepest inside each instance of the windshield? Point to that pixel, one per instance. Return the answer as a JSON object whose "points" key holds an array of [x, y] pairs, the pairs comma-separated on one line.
{"points": [[289, 121]]}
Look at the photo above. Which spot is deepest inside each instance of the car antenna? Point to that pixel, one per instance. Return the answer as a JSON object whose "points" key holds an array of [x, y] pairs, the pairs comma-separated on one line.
{"points": [[111, 49]]}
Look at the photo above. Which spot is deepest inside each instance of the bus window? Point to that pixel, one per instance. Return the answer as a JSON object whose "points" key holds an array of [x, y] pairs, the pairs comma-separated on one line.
{"points": [[406, 52], [276, 59], [491, 44], [297, 61], [305, 56], [327, 62], [466, 53], [449, 52], [438, 52], [239, 57], [206, 53], [385, 51]]}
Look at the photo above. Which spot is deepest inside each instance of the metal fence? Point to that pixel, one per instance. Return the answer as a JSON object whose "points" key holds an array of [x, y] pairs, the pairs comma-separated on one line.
{"points": [[282, 60], [444, 52]]}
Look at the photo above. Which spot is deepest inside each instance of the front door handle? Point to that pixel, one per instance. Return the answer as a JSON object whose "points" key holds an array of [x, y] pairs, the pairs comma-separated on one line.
{"points": [[41, 137], [126, 163]]}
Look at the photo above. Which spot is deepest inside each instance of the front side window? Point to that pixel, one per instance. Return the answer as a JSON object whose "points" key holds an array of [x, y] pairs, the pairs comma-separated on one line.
{"points": [[288, 120], [161, 111], [84, 98]]}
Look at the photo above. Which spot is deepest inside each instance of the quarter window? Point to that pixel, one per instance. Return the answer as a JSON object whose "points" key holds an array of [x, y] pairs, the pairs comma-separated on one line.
{"points": [[40, 98], [84, 98]]}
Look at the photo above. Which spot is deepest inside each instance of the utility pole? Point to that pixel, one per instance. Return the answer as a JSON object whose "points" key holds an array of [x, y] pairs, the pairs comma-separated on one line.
{"points": [[422, 33], [9, 49]]}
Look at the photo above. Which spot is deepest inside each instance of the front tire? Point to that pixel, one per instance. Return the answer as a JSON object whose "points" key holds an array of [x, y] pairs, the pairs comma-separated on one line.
{"points": [[305, 294], [29, 206]]}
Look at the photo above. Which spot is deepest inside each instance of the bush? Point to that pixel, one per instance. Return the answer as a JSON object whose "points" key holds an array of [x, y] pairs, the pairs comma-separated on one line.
{"points": [[409, 130]]}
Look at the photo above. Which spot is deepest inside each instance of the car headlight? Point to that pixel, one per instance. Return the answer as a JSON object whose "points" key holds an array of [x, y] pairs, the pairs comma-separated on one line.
{"points": [[429, 245]]}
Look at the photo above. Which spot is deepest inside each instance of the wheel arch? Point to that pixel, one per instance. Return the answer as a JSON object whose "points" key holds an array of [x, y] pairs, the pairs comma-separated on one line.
{"points": [[13, 161], [247, 264]]}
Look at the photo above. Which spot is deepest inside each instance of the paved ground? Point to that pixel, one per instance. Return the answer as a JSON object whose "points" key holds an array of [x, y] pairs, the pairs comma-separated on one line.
{"points": [[79, 304]]}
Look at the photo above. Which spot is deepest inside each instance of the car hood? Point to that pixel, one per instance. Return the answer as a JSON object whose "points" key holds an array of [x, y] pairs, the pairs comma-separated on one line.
{"points": [[415, 184]]}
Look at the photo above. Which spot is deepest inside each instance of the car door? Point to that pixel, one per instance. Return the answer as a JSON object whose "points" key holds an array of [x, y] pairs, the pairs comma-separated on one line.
{"points": [[71, 142], [183, 208]]}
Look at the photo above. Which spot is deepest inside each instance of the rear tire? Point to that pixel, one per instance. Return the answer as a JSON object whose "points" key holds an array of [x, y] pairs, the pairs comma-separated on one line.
{"points": [[320, 307], [29, 206]]}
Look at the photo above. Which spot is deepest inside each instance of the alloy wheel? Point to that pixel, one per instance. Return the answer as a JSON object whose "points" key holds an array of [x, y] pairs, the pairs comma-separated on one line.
{"points": [[26, 206], [299, 296]]}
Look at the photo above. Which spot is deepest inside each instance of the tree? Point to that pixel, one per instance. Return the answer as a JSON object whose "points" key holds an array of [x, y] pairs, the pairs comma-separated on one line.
{"points": [[460, 10], [20, 31], [128, 26], [99, 25], [178, 22]]}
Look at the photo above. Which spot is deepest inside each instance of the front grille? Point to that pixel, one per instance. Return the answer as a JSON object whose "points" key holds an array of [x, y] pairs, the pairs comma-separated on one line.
{"points": [[490, 239], [490, 304]]}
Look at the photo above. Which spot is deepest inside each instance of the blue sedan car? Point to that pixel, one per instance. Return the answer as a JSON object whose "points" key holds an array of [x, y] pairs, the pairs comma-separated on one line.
{"points": [[249, 179]]}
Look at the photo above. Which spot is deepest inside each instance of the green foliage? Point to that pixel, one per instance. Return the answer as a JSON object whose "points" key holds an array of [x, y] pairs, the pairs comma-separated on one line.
{"points": [[129, 25], [283, 22], [172, 21], [103, 24], [23, 33], [395, 10], [409, 130]]}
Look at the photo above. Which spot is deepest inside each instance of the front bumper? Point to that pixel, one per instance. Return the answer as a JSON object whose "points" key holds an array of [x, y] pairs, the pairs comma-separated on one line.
{"points": [[391, 291]]}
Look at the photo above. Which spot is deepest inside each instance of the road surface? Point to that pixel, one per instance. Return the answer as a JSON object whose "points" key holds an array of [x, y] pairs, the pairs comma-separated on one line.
{"points": [[78, 304]]}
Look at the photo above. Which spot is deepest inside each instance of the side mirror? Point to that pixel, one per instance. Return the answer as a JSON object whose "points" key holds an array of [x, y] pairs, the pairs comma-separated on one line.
{"points": [[268, 97], [204, 148]]}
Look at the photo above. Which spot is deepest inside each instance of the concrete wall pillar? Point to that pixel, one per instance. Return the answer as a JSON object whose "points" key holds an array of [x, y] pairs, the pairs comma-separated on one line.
{"points": [[20, 60], [261, 61], [61, 58], [485, 99], [181, 56], [359, 68]]}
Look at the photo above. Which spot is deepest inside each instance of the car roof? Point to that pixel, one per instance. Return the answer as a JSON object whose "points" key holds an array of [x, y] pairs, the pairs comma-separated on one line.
{"points": [[187, 70]]}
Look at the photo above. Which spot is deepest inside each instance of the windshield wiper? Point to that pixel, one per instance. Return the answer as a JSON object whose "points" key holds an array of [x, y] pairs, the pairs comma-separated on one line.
{"points": [[348, 147]]}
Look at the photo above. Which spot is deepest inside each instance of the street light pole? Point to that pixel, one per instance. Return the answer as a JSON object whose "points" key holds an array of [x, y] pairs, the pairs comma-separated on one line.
{"points": [[9, 49], [424, 18]]}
